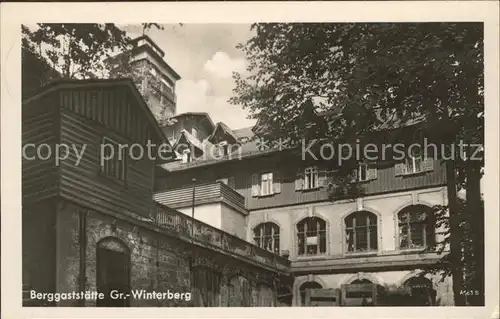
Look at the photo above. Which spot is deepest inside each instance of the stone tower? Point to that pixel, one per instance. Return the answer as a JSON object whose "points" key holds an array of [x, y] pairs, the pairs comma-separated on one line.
{"points": [[154, 77]]}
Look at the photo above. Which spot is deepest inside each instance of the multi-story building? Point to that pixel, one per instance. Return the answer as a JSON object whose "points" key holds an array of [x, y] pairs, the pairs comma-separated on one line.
{"points": [[89, 219], [378, 236]]}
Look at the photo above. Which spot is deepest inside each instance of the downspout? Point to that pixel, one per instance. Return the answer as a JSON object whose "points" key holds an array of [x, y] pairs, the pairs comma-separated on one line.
{"points": [[83, 252]]}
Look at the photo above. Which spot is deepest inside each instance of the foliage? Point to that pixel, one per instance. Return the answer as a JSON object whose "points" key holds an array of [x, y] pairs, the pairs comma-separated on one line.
{"points": [[369, 73], [363, 78], [76, 51], [470, 258], [83, 51]]}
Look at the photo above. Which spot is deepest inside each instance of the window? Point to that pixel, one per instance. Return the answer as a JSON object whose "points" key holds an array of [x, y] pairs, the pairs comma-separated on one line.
{"points": [[414, 164], [361, 232], [222, 148], [186, 156], [364, 173], [302, 290], [361, 173], [415, 227], [266, 184], [311, 233], [114, 161], [166, 85], [311, 178], [267, 236], [417, 163]]}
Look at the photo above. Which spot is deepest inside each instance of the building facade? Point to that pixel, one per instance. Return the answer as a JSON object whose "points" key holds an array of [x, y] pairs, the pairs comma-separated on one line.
{"points": [[90, 223], [379, 236]]}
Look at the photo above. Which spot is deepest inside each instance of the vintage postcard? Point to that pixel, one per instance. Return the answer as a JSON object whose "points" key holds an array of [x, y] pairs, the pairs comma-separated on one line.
{"points": [[296, 159]]}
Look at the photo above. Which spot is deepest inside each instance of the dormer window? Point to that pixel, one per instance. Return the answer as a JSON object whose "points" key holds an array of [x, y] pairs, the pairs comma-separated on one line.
{"points": [[223, 148], [186, 156]]}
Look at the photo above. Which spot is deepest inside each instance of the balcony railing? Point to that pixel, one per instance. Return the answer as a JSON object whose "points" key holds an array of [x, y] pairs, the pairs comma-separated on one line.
{"points": [[200, 233], [204, 193]]}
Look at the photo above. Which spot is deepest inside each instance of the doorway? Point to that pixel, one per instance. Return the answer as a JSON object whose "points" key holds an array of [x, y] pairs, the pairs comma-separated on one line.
{"points": [[113, 273]]}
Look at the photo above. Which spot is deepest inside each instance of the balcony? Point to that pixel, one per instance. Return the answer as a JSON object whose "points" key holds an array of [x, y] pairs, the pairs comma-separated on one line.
{"points": [[204, 194], [210, 237]]}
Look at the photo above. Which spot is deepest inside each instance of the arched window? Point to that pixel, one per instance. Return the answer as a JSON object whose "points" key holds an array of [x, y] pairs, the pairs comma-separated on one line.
{"points": [[302, 290], [361, 281], [361, 232], [421, 290], [267, 236], [311, 233], [361, 293], [113, 271], [416, 228]]}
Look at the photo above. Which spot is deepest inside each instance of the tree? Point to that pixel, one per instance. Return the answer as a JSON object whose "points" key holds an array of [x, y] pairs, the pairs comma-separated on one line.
{"points": [[82, 51], [76, 51], [365, 77]]}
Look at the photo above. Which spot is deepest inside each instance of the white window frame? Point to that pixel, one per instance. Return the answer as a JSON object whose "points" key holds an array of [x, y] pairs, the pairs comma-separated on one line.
{"points": [[186, 156], [270, 242], [359, 173], [311, 178], [266, 184], [222, 148], [312, 238], [411, 164]]}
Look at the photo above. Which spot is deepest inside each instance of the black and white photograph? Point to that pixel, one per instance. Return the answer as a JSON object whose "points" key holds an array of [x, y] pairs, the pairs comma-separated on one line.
{"points": [[256, 164]]}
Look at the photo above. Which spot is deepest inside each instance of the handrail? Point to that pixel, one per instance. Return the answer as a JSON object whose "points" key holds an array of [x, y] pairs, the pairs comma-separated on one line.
{"points": [[169, 218]]}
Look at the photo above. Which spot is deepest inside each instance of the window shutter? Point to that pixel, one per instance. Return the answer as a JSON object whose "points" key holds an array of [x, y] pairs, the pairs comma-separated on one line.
{"points": [[428, 164], [354, 175], [299, 181], [322, 178], [371, 173], [400, 169], [255, 185], [276, 183]]}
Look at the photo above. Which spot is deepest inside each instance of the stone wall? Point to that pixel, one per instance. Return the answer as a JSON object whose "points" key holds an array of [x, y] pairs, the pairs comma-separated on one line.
{"points": [[38, 246], [158, 263], [146, 248]]}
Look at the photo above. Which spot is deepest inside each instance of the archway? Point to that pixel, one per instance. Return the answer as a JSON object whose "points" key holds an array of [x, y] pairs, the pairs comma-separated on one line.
{"points": [[421, 291], [113, 272], [302, 290]]}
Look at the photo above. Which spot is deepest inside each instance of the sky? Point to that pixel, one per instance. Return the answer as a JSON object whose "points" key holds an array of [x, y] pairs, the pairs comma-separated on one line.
{"points": [[204, 55]]}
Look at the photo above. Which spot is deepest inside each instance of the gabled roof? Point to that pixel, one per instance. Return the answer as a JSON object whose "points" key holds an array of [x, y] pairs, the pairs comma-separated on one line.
{"points": [[104, 83], [226, 129], [190, 139]]}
